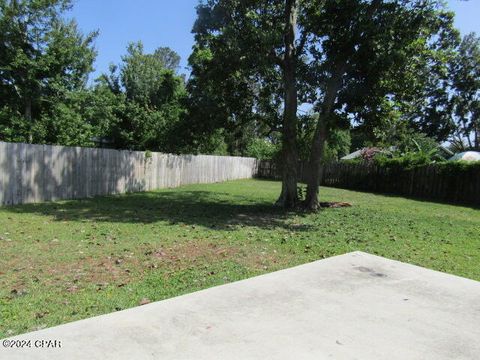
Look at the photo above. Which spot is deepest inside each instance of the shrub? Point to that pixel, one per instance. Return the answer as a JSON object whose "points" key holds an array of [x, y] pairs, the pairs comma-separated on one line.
{"points": [[458, 167], [406, 161], [262, 149]]}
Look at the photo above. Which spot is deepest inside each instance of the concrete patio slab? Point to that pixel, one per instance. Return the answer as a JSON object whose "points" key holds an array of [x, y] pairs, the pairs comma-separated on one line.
{"points": [[354, 306]]}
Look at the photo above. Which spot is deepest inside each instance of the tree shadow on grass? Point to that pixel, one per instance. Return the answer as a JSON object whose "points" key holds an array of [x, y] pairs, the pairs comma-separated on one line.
{"points": [[430, 200], [214, 210]]}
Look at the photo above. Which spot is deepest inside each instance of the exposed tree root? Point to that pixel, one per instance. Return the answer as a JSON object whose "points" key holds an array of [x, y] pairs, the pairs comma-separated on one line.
{"points": [[316, 206]]}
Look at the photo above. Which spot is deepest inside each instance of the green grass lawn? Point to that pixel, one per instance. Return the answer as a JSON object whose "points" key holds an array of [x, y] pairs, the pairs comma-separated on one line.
{"points": [[66, 261]]}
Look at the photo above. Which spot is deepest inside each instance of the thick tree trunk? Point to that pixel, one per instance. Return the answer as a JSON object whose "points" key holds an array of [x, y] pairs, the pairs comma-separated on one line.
{"points": [[289, 197], [315, 164], [324, 124], [319, 138]]}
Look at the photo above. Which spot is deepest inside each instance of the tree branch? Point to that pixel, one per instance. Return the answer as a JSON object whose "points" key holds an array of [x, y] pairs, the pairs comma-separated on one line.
{"points": [[279, 60], [301, 45]]}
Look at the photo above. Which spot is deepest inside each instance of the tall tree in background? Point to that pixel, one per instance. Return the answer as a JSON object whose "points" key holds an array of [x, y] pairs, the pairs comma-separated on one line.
{"points": [[169, 58], [149, 96], [419, 94], [42, 56], [466, 91]]}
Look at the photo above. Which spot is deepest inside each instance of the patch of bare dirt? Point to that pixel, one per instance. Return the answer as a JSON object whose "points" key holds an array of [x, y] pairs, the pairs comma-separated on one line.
{"points": [[115, 269], [334, 204], [191, 252]]}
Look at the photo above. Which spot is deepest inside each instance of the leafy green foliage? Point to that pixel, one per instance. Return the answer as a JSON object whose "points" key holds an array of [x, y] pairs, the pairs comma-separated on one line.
{"points": [[13, 126], [148, 99], [392, 58], [409, 150], [44, 66], [466, 86], [412, 160], [214, 144], [381, 65], [64, 124], [337, 144], [458, 167], [234, 84], [42, 58], [262, 149], [405, 161]]}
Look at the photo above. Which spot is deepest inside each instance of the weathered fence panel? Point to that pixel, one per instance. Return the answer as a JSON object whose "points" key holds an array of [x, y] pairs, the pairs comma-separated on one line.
{"points": [[36, 173], [427, 182]]}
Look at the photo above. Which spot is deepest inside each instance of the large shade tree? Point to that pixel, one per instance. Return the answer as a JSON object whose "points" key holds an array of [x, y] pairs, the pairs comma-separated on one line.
{"points": [[366, 55], [245, 65], [351, 60], [42, 57]]}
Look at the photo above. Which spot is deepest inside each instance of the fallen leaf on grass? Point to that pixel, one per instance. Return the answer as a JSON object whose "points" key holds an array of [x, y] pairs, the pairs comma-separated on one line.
{"points": [[144, 301], [17, 293], [40, 315], [160, 253]]}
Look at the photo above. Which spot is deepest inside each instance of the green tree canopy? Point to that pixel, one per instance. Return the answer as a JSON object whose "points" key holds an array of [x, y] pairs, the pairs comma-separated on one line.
{"points": [[352, 60], [466, 91], [150, 99], [42, 56]]}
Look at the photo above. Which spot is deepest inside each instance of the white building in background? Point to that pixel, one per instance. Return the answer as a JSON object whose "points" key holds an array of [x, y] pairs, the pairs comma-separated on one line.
{"points": [[466, 156]]}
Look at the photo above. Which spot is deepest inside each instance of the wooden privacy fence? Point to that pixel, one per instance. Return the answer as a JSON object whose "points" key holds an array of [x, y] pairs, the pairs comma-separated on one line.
{"points": [[36, 173], [269, 169], [429, 182]]}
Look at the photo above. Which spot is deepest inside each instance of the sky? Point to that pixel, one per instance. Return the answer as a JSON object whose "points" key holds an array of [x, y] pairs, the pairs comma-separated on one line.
{"points": [[156, 23], [169, 23]]}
